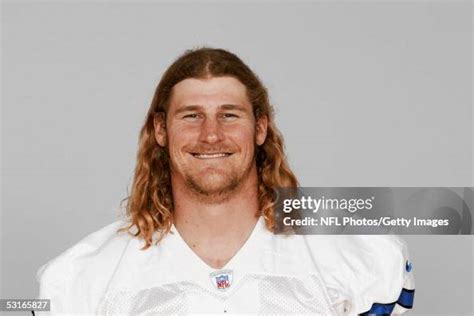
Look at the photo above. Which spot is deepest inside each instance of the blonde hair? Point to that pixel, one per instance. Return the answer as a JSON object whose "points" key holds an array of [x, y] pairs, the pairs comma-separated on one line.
{"points": [[150, 204]]}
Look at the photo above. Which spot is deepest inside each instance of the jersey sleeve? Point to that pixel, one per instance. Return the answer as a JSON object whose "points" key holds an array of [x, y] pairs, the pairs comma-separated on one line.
{"points": [[55, 279], [364, 274], [382, 283], [76, 279]]}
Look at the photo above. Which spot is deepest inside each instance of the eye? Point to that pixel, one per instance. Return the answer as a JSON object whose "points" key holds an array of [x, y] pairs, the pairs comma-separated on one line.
{"points": [[229, 116], [191, 116]]}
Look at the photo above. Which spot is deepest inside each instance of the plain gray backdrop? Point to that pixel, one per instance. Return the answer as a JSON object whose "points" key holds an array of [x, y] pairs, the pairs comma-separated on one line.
{"points": [[372, 93]]}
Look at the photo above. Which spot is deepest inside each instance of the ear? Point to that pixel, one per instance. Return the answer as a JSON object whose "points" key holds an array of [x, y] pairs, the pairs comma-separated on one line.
{"points": [[261, 129], [159, 122]]}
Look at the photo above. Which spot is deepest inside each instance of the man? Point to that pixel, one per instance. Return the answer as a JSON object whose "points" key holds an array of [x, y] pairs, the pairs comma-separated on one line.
{"points": [[200, 216]]}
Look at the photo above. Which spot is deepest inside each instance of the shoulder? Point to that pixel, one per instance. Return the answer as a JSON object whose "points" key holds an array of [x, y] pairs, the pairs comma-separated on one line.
{"points": [[362, 251], [366, 269], [90, 246], [86, 267]]}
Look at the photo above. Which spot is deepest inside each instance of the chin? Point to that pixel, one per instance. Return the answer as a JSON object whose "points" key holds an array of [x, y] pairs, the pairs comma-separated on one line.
{"points": [[212, 184]]}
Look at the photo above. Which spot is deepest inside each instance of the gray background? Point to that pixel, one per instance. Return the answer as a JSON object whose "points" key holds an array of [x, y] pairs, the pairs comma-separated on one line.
{"points": [[367, 94]]}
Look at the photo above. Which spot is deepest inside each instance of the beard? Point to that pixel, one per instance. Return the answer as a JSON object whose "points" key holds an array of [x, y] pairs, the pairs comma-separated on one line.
{"points": [[216, 184]]}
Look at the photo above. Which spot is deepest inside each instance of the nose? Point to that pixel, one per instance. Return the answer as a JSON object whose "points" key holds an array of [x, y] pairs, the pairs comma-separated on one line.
{"points": [[211, 131]]}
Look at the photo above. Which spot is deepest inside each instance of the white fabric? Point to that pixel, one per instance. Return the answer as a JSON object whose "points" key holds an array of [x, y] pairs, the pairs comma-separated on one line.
{"points": [[106, 273]]}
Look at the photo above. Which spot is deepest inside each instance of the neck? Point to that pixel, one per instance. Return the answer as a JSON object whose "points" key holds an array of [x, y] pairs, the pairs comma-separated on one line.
{"points": [[224, 225]]}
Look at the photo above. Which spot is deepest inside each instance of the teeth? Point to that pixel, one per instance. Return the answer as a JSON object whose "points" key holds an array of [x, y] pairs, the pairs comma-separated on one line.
{"points": [[208, 156]]}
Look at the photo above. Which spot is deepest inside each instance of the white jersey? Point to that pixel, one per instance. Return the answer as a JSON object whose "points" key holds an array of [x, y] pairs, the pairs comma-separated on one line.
{"points": [[106, 273]]}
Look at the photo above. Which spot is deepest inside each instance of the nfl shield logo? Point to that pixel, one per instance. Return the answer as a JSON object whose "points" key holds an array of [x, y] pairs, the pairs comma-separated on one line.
{"points": [[222, 279]]}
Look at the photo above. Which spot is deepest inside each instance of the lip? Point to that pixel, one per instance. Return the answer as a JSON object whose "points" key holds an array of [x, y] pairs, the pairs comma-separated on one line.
{"points": [[216, 155]]}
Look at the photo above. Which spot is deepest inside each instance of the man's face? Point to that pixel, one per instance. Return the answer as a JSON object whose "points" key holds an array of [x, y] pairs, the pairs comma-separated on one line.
{"points": [[211, 134]]}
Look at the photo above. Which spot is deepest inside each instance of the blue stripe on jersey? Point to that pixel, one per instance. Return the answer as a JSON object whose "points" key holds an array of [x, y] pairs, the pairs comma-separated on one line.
{"points": [[405, 300]]}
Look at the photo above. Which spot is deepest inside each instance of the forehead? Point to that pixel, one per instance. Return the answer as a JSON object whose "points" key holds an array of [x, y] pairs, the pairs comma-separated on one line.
{"points": [[209, 92]]}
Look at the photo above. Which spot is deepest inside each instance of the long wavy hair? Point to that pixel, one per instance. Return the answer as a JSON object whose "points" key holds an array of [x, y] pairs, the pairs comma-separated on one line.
{"points": [[149, 206]]}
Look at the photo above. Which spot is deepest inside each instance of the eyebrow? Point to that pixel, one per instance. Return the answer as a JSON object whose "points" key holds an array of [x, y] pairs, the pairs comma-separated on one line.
{"points": [[193, 107], [187, 108]]}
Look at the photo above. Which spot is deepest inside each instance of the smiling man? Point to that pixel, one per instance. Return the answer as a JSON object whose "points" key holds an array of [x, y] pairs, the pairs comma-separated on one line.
{"points": [[210, 131], [198, 234]]}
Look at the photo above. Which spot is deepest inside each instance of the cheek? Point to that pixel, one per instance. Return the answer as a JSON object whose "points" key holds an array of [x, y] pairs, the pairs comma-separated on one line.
{"points": [[245, 139], [177, 140]]}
